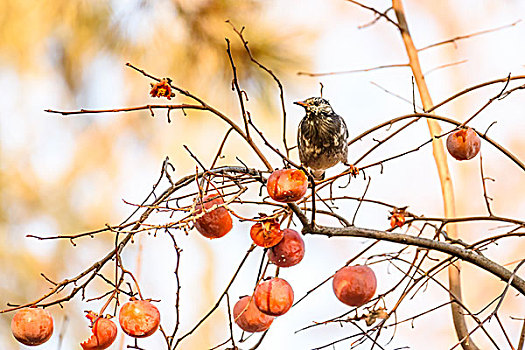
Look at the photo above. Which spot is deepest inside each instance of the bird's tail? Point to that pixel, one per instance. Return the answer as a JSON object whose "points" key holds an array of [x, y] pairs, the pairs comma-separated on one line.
{"points": [[318, 174]]}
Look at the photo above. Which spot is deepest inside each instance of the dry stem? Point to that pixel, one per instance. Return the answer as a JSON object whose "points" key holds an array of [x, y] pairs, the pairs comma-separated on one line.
{"points": [[443, 171]]}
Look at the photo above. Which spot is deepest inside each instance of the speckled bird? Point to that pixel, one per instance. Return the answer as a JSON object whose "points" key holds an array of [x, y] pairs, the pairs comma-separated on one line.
{"points": [[322, 138]]}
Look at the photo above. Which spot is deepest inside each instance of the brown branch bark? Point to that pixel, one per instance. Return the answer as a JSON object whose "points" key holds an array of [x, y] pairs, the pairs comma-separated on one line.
{"points": [[205, 106], [460, 37], [353, 70], [459, 252], [443, 171], [499, 147], [522, 337]]}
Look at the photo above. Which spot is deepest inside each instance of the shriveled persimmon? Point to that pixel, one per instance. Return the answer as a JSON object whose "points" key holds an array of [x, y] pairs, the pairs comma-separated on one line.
{"points": [[139, 318], [32, 326], [397, 218], [355, 285], [266, 233], [248, 317], [463, 144], [213, 223], [287, 185], [274, 297], [289, 251], [104, 332]]}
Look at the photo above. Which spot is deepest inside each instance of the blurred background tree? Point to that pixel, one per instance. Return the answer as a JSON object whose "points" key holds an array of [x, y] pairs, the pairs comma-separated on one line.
{"points": [[58, 177]]}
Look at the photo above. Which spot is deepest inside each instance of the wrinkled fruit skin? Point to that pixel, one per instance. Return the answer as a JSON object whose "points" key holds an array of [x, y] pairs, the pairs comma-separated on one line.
{"points": [[274, 297], [289, 251], [215, 223], [463, 144], [287, 185], [266, 233], [104, 334], [397, 220], [250, 320], [139, 318], [32, 326], [355, 285]]}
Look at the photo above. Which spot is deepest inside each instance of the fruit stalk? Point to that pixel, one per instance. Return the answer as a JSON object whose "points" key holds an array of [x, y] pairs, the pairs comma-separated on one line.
{"points": [[444, 176]]}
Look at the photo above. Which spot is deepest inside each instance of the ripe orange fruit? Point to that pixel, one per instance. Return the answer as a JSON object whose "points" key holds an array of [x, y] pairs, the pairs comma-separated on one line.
{"points": [[287, 185], [266, 233], [139, 318], [289, 251], [104, 333], [274, 297], [463, 144], [355, 285], [32, 326], [248, 317], [215, 223]]}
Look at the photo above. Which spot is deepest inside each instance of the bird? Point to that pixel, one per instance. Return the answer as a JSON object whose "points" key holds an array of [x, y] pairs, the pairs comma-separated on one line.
{"points": [[322, 137]]}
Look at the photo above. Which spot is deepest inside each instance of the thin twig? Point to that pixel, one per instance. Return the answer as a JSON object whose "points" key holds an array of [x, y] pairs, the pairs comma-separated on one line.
{"points": [[354, 70], [378, 13], [483, 180], [460, 37], [361, 200], [274, 77], [236, 87], [252, 247]]}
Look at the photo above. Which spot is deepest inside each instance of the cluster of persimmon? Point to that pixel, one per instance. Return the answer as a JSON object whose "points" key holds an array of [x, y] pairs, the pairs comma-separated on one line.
{"points": [[138, 319], [273, 296]]}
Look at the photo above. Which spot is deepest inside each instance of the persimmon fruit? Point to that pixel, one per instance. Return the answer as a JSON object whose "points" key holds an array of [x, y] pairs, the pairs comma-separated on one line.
{"points": [[213, 223], [248, 317], [289, 251], [463, 144], [287, 185], [266, 233], [274, 297], [104, 332], [355, 285], [32, 326], [139, 318]]}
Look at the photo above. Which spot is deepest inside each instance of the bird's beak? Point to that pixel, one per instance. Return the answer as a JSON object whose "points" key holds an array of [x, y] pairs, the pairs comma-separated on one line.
{"points": [[301, 103]]}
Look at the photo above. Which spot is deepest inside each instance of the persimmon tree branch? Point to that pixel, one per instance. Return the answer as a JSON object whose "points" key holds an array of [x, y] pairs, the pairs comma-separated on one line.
{"points": [[475, 87], [237, 88], [443, 171], [274, 77], [461, 253], [309, 74], [392, 121], [94, 269], [213, 110], [460, 37], [378, 13]]}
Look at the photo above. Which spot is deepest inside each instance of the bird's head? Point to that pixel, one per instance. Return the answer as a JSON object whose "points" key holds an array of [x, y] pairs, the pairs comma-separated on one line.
{"points": [[316, 105]]}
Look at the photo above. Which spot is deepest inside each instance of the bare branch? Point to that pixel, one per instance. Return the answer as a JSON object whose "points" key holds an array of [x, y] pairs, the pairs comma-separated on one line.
{"points": [[452, 250], [378, 13], [354, 70], [461, 37]]}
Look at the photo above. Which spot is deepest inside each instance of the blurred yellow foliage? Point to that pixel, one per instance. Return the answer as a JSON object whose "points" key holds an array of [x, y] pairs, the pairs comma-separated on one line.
{"points": [[59, 41]]}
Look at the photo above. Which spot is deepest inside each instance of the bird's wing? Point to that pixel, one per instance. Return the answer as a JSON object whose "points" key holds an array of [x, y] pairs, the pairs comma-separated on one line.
{"points": [[344, 128], [302, 134]]}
